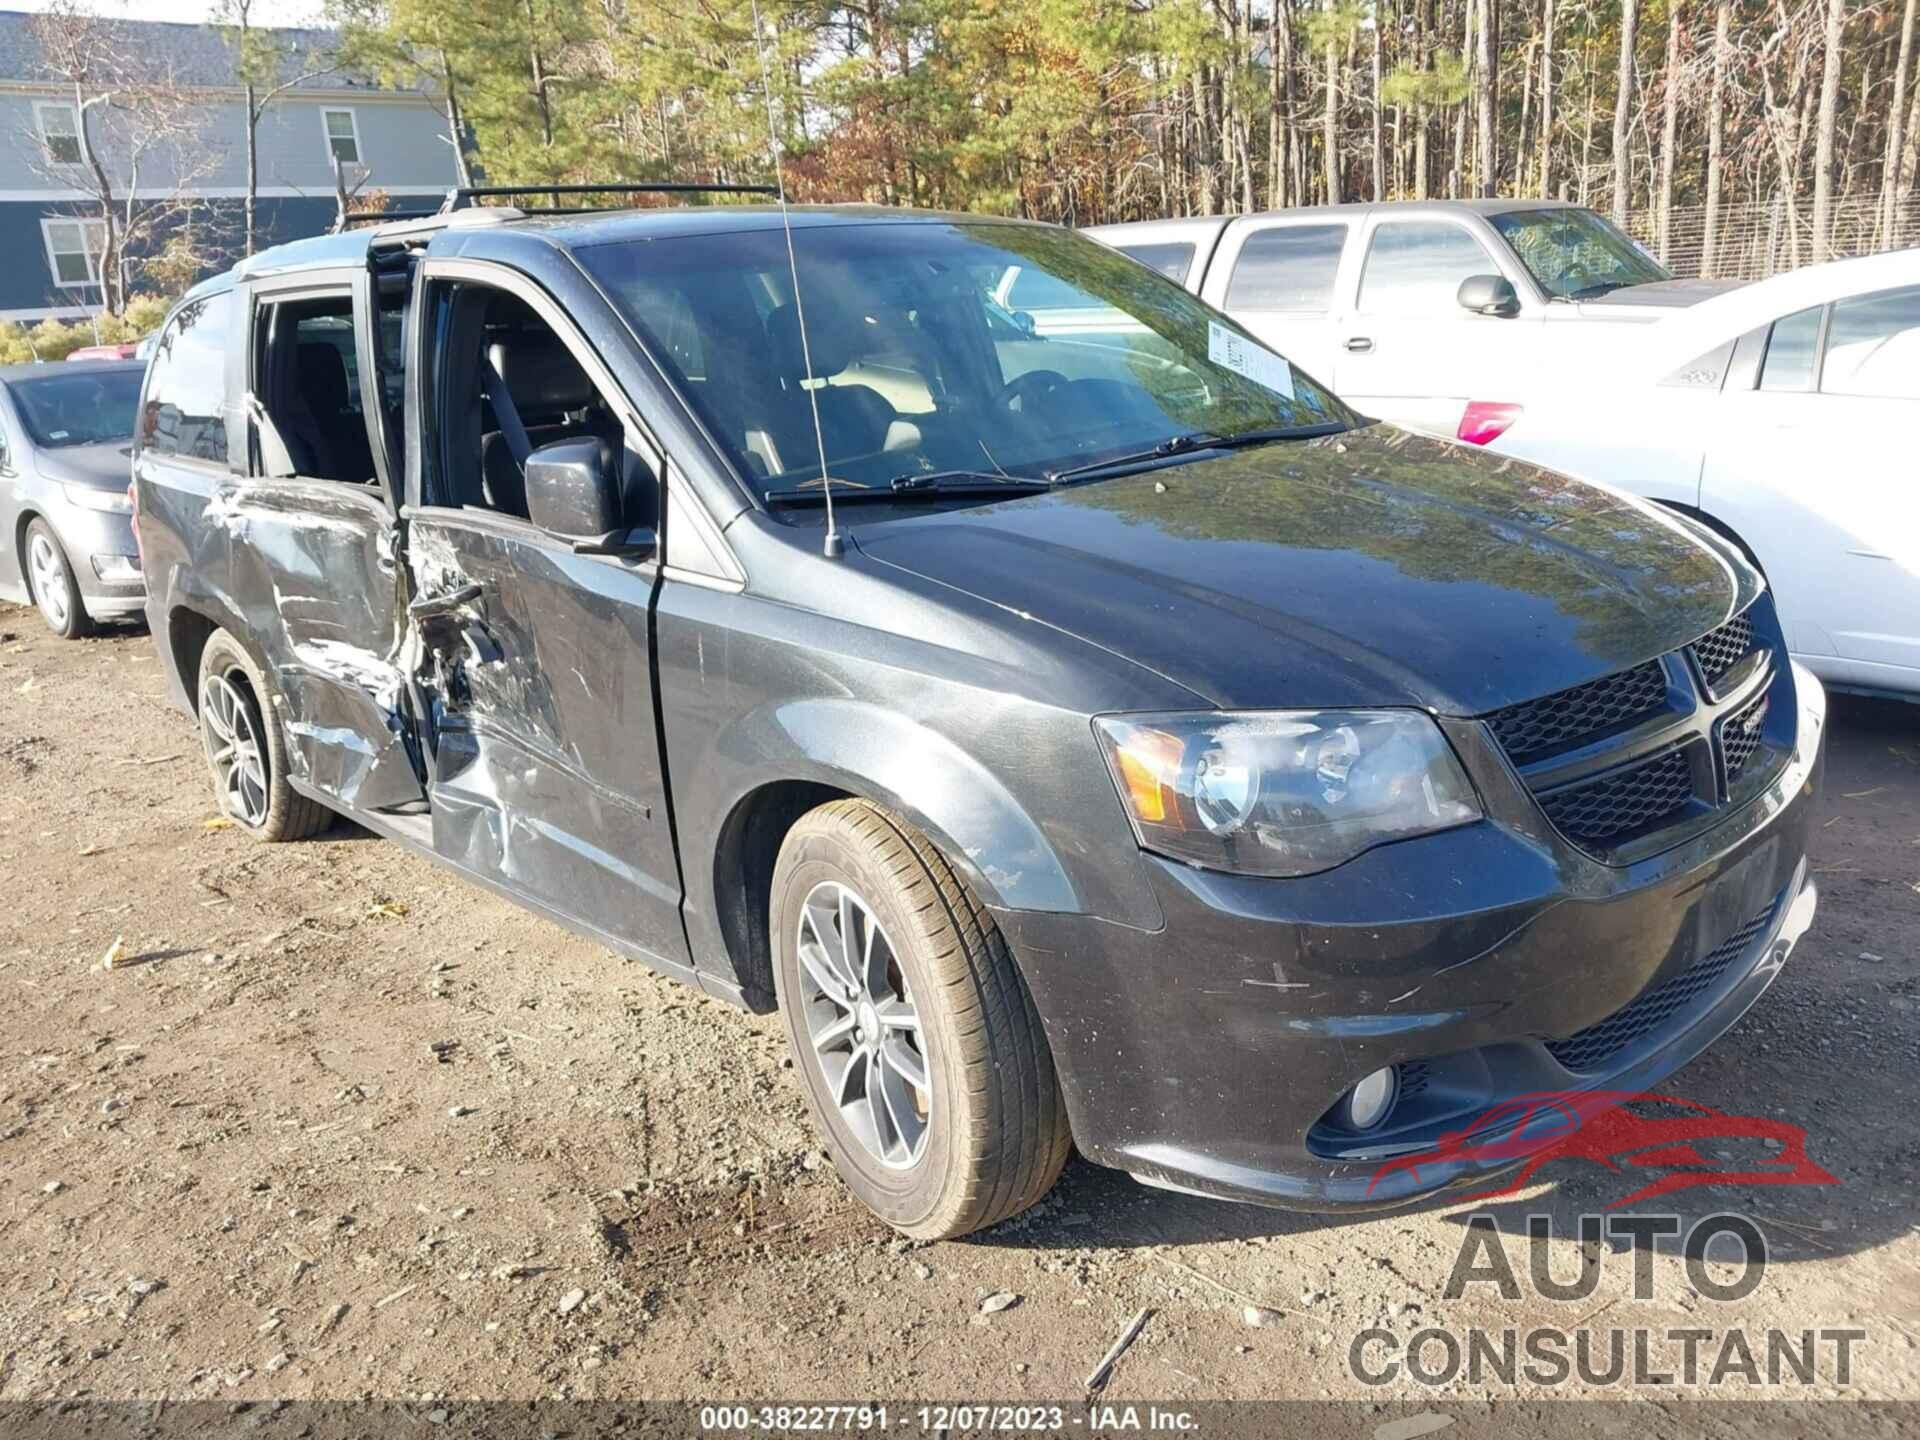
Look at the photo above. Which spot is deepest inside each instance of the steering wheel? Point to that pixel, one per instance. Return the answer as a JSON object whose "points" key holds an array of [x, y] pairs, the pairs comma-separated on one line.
{"points": [[1025, 390]]}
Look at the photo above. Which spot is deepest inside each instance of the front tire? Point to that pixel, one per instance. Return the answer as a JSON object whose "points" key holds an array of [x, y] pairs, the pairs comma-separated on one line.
{"points": [[50, 577], [246, 750], [923, 1058]]}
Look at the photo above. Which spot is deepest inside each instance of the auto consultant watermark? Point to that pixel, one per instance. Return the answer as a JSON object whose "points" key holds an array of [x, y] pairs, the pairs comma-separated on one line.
{"points": [[1725, 1261], [1657, 1144]]}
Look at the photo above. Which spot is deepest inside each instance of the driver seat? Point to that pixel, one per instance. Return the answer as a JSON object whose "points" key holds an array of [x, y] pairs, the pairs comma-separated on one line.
{"points": [[856, 419]]}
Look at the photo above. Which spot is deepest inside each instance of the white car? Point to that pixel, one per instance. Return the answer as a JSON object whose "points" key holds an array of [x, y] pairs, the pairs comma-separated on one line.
{"points": [[1787, 415], [1413, 309]]}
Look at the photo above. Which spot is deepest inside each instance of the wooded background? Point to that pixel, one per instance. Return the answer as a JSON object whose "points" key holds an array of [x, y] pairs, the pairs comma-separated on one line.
{"points": [[1716, 129]]}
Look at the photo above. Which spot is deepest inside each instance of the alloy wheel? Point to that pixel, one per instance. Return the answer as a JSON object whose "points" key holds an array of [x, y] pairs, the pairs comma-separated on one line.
{"points": [[235, 748], [50, 589], [862, 1028]]}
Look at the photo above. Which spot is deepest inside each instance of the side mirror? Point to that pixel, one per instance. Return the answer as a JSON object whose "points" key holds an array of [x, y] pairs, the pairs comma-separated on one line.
{"points": [[573, 492], [1024, 321], [1489, 295]]}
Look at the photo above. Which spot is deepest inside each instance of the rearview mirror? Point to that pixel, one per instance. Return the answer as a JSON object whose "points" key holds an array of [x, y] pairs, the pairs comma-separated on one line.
{"points": [[573, 492], [1488, 295]]}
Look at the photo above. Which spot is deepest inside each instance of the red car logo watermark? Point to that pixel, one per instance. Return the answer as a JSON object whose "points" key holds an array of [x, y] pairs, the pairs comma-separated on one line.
{"points": [[1598, 1125]]}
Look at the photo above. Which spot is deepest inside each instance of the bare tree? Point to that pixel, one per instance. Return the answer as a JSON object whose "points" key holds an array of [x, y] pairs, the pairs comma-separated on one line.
{"points": [[1911, 154], [1487, 87], [131, 120], [1623, 111], [1896, 137], [1823, 138], [1333, 117], [1669, 132], [1716, 136], [1546, 101], [1786, 115], [267, 69], [1379, 146]]}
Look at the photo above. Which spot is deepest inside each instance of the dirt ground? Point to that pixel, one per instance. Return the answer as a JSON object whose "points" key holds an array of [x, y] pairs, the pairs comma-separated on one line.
{"points": [[339, 1125]]}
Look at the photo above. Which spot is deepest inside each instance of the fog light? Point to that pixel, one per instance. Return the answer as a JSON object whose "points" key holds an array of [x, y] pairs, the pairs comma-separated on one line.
{"points": [[1370, 1100], [121, 568]]}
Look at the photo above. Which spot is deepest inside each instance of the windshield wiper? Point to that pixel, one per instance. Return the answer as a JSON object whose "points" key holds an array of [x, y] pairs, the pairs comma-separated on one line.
{"points": [[1594, 292], [947, 481], [1175, 446], [936, 485]]}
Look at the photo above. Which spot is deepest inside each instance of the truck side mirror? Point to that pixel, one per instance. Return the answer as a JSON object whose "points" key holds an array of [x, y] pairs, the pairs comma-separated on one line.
{"points": [[574, 493], [1489, 295]]}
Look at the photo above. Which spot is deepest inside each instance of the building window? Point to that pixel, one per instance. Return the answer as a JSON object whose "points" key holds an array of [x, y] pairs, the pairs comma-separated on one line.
{"points": [[343, 136], [74, 248], [60, 131]]}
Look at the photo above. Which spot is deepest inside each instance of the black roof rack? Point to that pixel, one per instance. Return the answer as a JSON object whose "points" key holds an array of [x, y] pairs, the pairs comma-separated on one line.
{"points": [[464, 196]]}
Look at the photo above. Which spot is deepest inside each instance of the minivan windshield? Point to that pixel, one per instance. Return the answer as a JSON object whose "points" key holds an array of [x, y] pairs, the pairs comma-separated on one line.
{"points": [[925, 363], [78, 407], [1576, 254]]}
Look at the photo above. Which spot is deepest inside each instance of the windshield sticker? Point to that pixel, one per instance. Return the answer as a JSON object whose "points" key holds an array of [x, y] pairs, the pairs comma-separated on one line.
{"points": [[1243, 357]]}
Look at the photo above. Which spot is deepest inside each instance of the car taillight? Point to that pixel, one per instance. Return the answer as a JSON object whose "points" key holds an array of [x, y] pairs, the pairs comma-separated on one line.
{"points": [[1485, 421]]}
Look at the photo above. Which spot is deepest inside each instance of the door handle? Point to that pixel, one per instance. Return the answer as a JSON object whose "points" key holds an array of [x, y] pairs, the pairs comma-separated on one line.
{"points": [[1359, 343], [445, 603]]}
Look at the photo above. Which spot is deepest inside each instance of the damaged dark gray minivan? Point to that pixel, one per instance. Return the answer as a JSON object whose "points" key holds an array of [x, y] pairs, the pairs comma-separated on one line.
{"points": [[1159, 758]]}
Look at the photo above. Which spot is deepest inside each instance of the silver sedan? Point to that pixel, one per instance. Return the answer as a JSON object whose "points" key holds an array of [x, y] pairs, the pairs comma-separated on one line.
{"points": [[65, 432]]}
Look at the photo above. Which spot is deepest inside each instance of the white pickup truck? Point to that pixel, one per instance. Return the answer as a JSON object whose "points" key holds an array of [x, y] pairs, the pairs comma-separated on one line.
{"points": [[1445, 316]]}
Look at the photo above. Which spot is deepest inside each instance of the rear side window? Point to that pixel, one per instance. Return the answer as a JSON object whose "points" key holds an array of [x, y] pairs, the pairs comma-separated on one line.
{"points": [[1414, 267], [1873, 346], [1287, 267], [1171, 260], [1793, 351], [184, 412]]}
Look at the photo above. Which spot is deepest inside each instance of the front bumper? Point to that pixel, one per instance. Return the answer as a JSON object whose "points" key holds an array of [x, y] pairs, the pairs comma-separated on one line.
{"points": [[1206, 1056], [105, 559]]}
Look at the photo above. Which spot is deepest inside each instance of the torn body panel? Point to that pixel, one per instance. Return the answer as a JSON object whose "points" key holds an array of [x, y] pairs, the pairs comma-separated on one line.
{"points": [[314, 574], [546, 766]]}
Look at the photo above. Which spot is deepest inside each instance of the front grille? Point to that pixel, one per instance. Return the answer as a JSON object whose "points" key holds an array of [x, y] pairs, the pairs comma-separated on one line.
{"points": [[1617, 762], [1594, 1047], [1624, 802], [1740, 737], [1718, 651], [1581, 715]]}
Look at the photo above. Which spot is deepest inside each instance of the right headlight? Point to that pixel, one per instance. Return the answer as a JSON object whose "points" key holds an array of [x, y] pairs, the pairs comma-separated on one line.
{"points": [[1283, 792]]}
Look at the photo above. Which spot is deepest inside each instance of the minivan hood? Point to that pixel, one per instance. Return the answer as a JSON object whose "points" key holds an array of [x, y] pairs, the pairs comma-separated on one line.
{"points": [[1371, 568], [106, 466]]}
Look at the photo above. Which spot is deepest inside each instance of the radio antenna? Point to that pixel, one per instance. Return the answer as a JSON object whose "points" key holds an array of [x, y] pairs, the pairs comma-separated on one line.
{"points": [[832, 548]]}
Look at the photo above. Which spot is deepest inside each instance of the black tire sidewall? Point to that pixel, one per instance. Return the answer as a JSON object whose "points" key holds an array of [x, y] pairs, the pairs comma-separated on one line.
{"points": [[222, 655], [904, 1196]]}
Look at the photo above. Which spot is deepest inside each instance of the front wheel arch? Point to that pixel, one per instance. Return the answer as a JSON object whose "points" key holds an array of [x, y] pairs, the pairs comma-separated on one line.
{"points": [[1719, 527], [188, 632]]}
